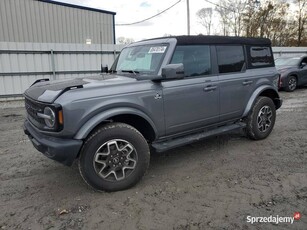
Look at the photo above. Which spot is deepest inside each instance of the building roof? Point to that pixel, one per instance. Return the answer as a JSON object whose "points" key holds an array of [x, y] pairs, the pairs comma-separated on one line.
{"points": [[77, 6]]}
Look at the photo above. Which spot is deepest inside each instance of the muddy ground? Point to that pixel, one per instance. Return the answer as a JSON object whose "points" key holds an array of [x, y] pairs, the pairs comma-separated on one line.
{"points": [[213, 184]]}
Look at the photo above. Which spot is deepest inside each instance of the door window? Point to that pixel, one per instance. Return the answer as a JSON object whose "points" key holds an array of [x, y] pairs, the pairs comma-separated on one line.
{"points": [[195, 59], [303, 61], [230, 59]]}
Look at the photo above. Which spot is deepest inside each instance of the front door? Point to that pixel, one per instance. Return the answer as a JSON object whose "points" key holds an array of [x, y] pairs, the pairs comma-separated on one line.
{"points": [[192, 102]]}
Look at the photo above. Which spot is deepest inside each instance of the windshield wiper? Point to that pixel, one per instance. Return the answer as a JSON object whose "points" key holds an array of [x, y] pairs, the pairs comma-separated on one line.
{"points": [[130, 71]]}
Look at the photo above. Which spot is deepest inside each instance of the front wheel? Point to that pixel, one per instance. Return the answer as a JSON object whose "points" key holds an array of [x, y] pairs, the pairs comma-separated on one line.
{"points": [[261, 119], [113, 158]]}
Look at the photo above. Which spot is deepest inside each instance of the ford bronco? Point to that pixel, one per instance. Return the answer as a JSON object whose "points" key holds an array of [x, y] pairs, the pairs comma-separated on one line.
{"points": [[159, 94]]}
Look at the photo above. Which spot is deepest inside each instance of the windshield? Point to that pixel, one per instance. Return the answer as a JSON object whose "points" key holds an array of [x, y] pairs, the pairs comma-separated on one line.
{"points": [[287, 61], [144, 59]]}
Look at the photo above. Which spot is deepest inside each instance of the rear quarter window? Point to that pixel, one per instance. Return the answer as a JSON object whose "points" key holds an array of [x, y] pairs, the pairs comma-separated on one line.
{"points": [[260, 56]]}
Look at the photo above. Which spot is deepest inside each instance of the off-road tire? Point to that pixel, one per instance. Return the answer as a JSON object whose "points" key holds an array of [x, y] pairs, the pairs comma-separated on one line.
{"points": [[252, 129], [106, 134], [291, 84]]}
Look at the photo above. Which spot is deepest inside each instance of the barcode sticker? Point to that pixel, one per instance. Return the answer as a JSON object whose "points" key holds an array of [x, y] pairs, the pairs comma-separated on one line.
{"points": [[157, 49]]}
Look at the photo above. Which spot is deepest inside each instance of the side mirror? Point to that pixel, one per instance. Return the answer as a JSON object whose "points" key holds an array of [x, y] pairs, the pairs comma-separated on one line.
{"points": [[173, 71], [104, 69], [303, 64]]}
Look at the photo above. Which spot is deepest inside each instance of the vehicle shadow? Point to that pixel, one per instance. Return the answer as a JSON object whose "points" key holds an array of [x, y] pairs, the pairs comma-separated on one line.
{"points": [[202, 149]]}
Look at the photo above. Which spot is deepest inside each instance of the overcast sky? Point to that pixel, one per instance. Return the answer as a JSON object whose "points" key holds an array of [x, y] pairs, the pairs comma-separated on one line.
{"points": [[173, 22]]}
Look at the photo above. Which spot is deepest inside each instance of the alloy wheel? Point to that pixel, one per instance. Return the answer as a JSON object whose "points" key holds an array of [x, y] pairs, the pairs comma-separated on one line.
{"points": [[115, 160], [264, 118]]}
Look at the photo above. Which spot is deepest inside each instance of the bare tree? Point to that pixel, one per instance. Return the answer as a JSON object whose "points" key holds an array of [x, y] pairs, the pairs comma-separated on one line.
{"points": [[302, 19], [205, 17], [231, 14], [265, 18], [269, 20], [249, 25], [224, 11], [124, 40]]}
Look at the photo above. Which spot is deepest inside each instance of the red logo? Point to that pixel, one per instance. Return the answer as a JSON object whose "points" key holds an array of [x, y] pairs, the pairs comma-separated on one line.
{"points": [[297, 215]]}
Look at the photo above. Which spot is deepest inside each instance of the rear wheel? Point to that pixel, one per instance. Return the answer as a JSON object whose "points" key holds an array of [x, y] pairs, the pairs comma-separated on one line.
{"points": [[291, 84], [113, 158], [261, 119]]}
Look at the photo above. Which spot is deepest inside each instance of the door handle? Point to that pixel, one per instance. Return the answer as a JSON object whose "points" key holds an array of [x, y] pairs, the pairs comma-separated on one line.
{"points": [[210, 88], [247, 82]]}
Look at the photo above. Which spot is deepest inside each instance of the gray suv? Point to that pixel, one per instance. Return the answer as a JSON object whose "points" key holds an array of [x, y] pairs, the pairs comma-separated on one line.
{"points": [[293, 72], [159, 94]]}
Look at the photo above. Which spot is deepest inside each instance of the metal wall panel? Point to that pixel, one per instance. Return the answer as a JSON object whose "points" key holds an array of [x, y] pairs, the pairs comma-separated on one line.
{"points": [[23, 63], [38, 21], [289, 51]]}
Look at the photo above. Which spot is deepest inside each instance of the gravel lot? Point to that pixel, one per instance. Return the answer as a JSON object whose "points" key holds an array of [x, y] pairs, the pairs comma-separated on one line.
{"points": [[213, 184]]}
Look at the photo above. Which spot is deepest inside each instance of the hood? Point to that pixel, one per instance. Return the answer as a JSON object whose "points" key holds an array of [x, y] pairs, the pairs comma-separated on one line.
{"points": [[49, 91]]}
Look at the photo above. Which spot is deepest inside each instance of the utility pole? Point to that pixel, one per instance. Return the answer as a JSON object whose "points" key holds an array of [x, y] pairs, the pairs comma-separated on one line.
{"points": [[101, 49], [188, 17]]}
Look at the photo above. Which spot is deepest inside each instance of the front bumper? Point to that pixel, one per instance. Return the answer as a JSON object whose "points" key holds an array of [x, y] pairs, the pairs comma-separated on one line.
{"points": [[62, 150]]}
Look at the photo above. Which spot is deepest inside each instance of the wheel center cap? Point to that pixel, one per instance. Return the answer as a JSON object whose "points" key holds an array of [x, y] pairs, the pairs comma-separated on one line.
{"points": [[115, 160]]}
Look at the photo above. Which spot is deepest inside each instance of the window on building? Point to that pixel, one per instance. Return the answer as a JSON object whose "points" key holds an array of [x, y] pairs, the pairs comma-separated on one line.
{"points": [[230, 58], [195, 59]]}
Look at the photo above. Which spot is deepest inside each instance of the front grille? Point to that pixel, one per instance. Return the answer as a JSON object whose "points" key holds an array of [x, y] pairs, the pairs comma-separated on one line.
{"points": [[33, 108]]}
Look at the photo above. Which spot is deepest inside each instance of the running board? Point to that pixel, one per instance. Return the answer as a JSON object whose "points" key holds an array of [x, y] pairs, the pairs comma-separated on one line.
{"points": [[181, 141]]}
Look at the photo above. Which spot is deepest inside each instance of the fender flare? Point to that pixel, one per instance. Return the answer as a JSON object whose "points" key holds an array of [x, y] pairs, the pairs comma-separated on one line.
{"points": [[256, 93], [295, 74], [88, 126], [285, 78]]}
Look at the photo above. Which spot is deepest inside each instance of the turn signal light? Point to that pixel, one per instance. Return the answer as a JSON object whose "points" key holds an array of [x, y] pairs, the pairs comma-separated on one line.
{"points": [[60, 115]]}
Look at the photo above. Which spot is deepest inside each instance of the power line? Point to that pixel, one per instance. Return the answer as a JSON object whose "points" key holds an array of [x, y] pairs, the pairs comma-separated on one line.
{"points": [[146, 19]]}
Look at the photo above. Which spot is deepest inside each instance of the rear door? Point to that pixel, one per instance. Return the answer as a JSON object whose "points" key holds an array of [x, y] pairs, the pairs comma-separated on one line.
{"points": [[240, 73], [192, 102], [235, 85]]}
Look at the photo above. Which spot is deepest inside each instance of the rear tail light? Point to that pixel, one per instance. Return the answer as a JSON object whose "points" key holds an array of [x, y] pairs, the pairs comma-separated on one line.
{"points": [[276, 81]]}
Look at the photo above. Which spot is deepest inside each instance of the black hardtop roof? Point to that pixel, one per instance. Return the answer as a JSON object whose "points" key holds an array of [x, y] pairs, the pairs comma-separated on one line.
{"points": [[208, 39]]}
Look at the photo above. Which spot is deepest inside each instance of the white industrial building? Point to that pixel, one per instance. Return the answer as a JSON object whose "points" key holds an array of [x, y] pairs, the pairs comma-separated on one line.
{"points": [[49, 39], [44, 21]]}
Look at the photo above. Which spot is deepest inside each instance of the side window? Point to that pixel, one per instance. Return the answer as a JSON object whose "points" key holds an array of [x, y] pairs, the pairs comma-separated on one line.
{"points": [[195, 59], [260, 56], [304, 61], [230, 58]]}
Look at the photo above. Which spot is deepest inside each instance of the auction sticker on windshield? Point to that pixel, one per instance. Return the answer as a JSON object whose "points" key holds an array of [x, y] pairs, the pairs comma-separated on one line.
{"points": [[157, 49]]}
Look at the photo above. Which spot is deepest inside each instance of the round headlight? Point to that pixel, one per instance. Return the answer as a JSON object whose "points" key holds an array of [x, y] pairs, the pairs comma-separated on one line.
{"points": [[50, 121]]}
